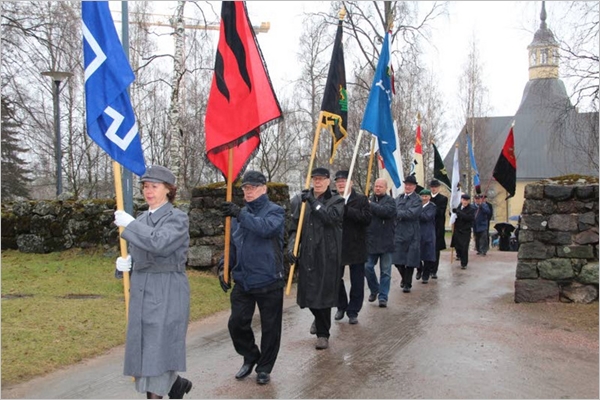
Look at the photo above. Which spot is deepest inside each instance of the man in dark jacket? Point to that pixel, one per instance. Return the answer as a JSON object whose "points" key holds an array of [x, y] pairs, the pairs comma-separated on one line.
{"points": [[427, 222], [441, 203], [256, 257], [357, 216], [319, 258], [465, 215], [380, 242], [481, 225], [407, 243]]}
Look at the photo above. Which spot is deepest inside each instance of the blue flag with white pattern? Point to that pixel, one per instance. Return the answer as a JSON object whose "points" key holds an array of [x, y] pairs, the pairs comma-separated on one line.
{"points": [[110, 119], [378, 113]]}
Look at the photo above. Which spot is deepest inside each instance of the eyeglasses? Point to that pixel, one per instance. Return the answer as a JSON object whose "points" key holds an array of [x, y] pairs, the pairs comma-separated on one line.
{"points": [[249, 188]]}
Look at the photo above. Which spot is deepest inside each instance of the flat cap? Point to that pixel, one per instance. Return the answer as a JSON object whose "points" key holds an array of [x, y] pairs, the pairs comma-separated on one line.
{"points": [[158, 174], [320, 171], [435, 183], [254, 178], [341, 175], [465, 196]]}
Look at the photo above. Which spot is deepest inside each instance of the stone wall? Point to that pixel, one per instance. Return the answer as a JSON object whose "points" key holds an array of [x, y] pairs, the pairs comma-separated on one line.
{"points": [[55, 225], [558, 243]]}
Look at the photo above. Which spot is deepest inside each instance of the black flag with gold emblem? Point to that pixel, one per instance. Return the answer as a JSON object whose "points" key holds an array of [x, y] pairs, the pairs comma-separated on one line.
{"points": [[334, 109], [439, 170]]}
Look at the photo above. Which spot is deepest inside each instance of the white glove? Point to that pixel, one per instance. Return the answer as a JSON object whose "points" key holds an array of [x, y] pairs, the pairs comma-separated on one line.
{"points": [[122, 218], [124, 264]]}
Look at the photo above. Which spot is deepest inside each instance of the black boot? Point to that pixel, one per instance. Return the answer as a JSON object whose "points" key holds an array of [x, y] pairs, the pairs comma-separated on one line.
{"points": [[180, 387], [150, 395]]}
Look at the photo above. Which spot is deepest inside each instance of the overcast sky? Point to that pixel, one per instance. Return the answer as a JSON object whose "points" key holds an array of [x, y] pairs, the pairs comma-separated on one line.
{"points": [[503, 30]]}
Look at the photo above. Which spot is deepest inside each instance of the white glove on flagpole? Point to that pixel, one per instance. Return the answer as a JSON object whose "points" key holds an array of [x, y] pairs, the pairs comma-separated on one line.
{"points": [[124, 264], [122, 218]]}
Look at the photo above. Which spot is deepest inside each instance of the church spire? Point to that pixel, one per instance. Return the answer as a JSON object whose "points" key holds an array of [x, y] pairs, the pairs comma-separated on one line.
{"points": [[543, 51]]}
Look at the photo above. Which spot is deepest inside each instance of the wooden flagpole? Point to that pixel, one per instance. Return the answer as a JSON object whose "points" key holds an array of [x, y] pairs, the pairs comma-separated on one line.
{"points": [[370, 168], [122, 242], [303, 207], [228, 197]]}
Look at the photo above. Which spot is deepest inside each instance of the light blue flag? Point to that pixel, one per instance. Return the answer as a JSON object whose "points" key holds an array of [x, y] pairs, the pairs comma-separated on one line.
{"points": [[474, 166], [110, 119], [378, 113]]}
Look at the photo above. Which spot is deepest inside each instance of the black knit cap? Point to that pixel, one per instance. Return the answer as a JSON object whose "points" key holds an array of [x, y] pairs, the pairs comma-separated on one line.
{"points": [[320, 171], [254, 178]]}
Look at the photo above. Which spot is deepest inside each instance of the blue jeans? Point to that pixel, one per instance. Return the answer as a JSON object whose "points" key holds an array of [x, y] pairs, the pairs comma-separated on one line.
{"points": [[385, 268]]}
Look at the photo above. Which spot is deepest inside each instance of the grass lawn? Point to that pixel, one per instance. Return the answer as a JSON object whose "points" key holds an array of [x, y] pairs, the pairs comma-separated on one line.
{"points": [[60, 308]]}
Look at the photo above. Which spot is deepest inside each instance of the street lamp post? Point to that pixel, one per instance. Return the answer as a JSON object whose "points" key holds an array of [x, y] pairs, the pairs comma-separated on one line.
{"points": [[57, 77]]}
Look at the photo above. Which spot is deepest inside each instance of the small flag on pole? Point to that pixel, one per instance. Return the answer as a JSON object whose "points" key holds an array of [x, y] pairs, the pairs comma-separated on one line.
{"points": [[476, 180], [505, 171], [334, 108], [110, 119]]}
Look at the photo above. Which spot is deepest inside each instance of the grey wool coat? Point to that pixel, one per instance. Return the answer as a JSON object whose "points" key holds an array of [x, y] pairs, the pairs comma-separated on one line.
{"points": [[320, 263], [159, 303], [407, 239]]}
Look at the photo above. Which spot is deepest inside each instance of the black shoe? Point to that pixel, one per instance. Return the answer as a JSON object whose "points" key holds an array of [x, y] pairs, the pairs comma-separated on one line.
{"points": [[463, 267], [313, 328], [263, 378], [402, 285], [245, 370], [353, 320], [406, 289], [339, 315], [382, 303], [434, 276], [425, 281], [372, 297], [419, 273], [180, 387]]}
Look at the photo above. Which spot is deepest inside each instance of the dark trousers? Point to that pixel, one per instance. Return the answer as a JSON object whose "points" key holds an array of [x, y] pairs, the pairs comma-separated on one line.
{"points": [[322, 321], [426, 269], [462, 250], [270, 307], [436, 263], [482, 242], [357, 290], [406, 273]]}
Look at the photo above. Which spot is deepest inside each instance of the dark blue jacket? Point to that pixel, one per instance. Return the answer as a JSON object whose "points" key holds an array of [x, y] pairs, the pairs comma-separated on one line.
{"points": [[380, 234], [257, 245], [482, 218], [427, 221]]}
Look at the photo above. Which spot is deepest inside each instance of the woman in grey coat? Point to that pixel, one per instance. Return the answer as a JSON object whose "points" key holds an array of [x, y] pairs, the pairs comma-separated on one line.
{"points": [[159, 304]]}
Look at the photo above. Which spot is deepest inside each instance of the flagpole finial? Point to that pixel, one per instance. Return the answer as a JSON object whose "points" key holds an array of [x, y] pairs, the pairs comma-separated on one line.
{"points": [[513, 124], [342, 13]]}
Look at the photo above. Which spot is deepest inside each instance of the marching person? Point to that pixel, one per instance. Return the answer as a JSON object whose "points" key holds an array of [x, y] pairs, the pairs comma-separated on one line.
{"points": [[461, 237], [159, 306], [319, 259], [380, 242], [427, 226], [357, 216], [441, 204], [481, 225], [256, 260], [407, 242]]}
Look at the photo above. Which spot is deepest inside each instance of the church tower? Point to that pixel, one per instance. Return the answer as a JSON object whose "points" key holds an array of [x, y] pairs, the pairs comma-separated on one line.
{"points": [[543, 51]]}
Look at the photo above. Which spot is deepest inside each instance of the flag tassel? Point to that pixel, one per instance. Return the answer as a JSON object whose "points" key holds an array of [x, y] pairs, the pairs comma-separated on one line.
{"points": [[122, 242], [228, 197], [303, 208]]}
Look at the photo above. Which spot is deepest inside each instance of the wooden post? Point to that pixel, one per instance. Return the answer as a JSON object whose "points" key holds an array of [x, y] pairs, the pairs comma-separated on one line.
{"points": [[122, 242], [228, 197]]}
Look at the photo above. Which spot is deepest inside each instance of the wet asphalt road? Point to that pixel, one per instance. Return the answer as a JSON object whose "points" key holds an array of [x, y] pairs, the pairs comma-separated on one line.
{"points": [[461, 336]]}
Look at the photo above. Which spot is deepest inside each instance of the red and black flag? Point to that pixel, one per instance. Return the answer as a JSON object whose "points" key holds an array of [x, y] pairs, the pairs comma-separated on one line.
{"points": [[334, 109], [241, 102], [505, 171], [439, 170]]}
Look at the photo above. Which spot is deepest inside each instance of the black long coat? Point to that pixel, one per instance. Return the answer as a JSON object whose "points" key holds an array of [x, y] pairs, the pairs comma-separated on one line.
{"points": [[463, 226], [427, 221], [407, 243], [380, 234], [319, 264], [441, 202], [357, 216]]}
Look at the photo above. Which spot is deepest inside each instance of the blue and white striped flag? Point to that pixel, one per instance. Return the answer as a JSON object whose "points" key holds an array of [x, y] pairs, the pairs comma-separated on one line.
{"points": [[110, 119]]}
